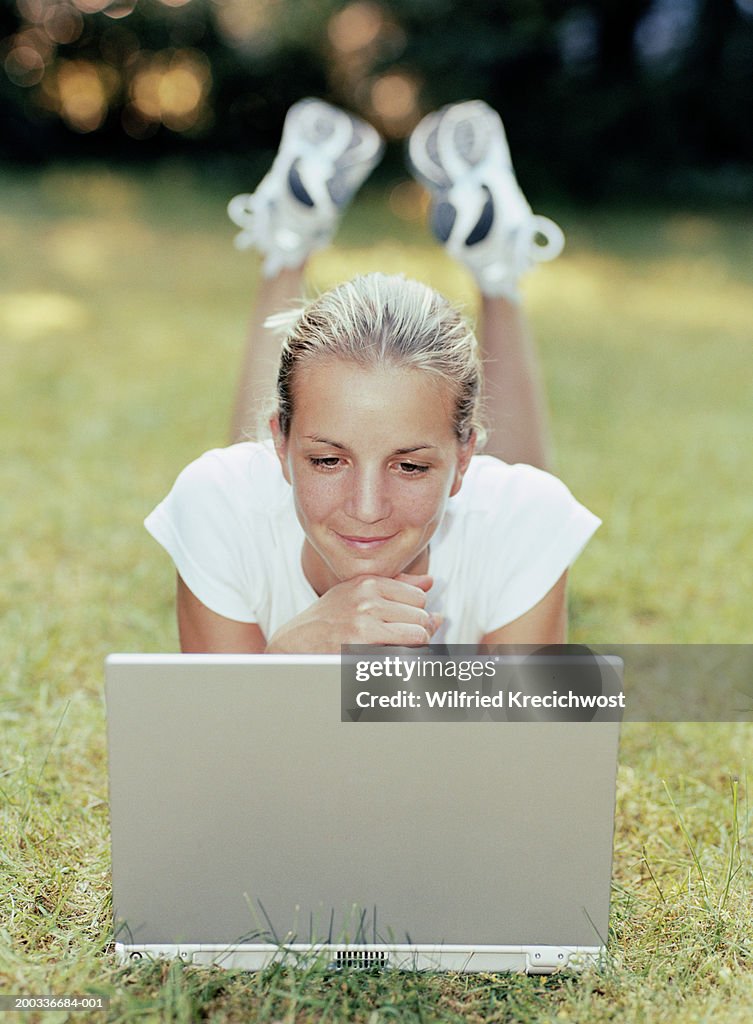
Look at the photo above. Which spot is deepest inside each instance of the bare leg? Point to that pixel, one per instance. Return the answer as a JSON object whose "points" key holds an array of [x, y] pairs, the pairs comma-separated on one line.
{"points": [[262, 353], [514, 399], [481, 217], [285, 219]]}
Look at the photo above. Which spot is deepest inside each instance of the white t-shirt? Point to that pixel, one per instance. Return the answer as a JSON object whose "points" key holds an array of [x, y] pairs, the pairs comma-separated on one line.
{"points": [[507, 536]]}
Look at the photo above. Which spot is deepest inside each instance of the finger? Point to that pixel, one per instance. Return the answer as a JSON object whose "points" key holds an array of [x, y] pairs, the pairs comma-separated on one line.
{"points": [[403, 634], [404, 590], [435, 621], [368, 591], [410, 615], [423, 581]]}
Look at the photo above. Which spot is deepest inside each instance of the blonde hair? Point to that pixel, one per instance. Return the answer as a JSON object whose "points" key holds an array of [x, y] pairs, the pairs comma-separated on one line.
{"points": [[378, 320]]}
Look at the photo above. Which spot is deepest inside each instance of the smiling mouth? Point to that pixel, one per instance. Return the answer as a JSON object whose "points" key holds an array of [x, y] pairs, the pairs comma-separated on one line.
{"points": [[364, 543]]}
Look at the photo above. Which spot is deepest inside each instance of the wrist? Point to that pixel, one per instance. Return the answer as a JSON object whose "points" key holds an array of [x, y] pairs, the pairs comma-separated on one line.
{"points": [[291, 639], [276, 647]]}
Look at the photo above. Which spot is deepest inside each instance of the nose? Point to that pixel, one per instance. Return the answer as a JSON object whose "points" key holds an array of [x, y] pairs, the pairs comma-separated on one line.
{"points": [[369, 500]]}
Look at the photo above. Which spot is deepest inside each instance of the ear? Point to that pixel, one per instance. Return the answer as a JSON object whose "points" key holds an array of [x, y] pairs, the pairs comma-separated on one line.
{"points": [[465, 454], [281, 445]]}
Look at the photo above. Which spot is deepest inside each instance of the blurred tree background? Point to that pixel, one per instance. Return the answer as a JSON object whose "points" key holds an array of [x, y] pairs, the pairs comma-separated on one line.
{"points": [[602, 98]]}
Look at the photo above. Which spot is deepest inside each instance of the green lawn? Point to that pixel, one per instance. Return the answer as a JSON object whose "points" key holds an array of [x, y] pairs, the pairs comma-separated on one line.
{"points": [[122, 312]]}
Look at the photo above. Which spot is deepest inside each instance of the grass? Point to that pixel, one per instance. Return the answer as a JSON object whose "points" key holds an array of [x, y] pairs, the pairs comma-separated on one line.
{"points": [[122, 307]]}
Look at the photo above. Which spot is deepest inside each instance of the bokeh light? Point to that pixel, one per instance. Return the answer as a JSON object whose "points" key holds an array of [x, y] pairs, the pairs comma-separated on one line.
{"points": [[409, 201], [362, 36], [245, 24], [169, 87], [120, 8], [24, 66], [356, 27], [35, 39], [91, 6], [394, 102], [32, 11], [63, 23], [83, 92]]}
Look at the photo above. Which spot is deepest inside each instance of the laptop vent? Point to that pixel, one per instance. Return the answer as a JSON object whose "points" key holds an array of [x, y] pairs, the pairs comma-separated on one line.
{"points": [[360, 958]]}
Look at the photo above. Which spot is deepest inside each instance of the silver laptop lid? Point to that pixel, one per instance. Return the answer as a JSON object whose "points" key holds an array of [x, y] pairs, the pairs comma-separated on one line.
{"points": [[244, 810]]}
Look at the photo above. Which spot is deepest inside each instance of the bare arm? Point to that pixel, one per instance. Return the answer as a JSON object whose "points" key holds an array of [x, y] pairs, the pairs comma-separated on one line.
{"points": [[203, 631], [545, 623], [367, 609]]}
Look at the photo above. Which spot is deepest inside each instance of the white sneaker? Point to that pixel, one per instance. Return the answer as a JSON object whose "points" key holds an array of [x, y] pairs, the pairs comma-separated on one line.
{"points": [[325, 155], [460, 153]]}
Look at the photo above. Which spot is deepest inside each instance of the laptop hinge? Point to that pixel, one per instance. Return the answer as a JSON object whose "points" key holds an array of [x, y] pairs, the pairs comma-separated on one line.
{"points": [[546, 959]]}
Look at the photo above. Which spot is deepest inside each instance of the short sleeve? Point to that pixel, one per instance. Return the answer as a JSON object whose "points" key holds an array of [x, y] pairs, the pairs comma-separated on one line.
{"points": [[198, 525], [537, 530]]}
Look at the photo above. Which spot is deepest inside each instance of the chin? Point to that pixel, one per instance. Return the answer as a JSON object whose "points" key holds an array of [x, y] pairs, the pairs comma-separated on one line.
{"points": [[387, 567], [363, 567]]}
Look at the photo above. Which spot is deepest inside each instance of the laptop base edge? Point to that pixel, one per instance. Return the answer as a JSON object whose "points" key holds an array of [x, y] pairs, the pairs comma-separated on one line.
{"points": [[471, 959]]}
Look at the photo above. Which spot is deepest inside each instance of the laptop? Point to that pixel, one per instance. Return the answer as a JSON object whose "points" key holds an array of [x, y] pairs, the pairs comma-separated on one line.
{"points": [[256, 818]]}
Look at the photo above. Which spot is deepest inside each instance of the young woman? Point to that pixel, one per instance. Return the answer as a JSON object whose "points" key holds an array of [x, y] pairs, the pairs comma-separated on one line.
{"points": [[369, 517]]}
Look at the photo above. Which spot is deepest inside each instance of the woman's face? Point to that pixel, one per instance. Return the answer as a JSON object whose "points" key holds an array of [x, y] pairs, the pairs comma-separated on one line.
{"points": [[372, 457]]}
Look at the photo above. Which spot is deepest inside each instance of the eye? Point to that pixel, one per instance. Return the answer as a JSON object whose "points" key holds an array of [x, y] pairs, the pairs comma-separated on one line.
{"points": [[413, 468], [325, 461]]}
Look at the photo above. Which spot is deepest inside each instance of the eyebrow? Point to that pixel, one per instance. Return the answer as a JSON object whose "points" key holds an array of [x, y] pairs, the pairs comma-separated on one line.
{"points": [[343, 448]]}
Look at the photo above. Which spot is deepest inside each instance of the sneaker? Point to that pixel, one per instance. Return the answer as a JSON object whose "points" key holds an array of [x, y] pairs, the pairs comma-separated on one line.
{"points": [[324, 156], [460, 153]]}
